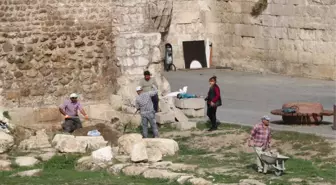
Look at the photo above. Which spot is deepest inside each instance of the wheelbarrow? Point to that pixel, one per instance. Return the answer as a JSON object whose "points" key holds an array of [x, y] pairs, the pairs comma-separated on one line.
{"points": [[275, 162]]}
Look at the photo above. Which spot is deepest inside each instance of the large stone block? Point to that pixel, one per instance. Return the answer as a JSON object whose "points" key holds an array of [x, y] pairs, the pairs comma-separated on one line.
{"points": [[185, 125], [166, 146], [165, 117], [186, 17], [190, 103], [193, 112], [179, 115], [47, 114]]}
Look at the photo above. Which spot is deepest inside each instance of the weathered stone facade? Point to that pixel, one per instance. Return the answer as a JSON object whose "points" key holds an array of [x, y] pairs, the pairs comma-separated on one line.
{"points": [[52, 48], [292, 37], [49, 49], [188, 22]]}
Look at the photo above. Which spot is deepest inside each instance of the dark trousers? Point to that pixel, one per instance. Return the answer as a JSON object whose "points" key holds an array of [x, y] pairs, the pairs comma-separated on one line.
{"points": [[211, 113], [155, 100], [71, 124]]}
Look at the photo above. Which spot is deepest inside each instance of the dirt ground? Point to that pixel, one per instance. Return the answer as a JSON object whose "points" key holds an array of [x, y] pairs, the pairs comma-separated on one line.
{"points": [[235, 142], [108, 133]]}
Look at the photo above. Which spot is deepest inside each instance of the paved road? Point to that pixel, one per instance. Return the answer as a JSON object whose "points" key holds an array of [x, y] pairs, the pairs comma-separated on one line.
{"points": [[247, 96]]}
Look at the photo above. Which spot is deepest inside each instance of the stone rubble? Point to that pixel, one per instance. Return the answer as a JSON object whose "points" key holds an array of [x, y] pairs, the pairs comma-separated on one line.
{"points": [[199, 181], [5, 165], [102, 155], [184, 178], [28, 173], [79, 144], [161, 174], [6, 142], [116, 168], [47, 156], [165, 117], [127, 141], [134, 170], [154, 155], [26, 161], [39, 141], [139, 152], [165, 146], [185, 125]]}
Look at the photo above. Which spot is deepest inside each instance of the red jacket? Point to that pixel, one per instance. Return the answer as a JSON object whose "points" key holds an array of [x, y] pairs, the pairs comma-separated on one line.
{"points": [[214, 94]]}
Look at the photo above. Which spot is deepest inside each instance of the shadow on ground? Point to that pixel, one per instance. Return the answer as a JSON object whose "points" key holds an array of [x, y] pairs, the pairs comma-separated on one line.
{"points": [[322, 123]]}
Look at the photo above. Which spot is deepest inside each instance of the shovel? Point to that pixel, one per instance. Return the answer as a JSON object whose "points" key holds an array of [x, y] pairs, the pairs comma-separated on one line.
{"points": [[125, 127]]}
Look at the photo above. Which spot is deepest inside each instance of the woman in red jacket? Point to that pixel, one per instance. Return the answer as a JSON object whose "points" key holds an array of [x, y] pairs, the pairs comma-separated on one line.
{"points": [[213, 101]]}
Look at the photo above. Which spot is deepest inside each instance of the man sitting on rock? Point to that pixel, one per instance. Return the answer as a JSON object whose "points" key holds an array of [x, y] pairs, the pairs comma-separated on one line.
{"points": [[70, 109], [144, 103], [260, 139], [147, 85]]}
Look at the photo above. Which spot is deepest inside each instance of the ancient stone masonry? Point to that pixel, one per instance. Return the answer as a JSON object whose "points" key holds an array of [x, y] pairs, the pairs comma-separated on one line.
{"points": [[138, 44], [290, 37], [293, 37], [51, 48], [188, 22]]}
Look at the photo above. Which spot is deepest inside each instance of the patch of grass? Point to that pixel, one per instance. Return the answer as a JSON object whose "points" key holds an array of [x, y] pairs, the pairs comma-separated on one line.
{"points": [[60, 170], [201, 125], [228, 178], [303, 141], [307, 170], [185, 150]]}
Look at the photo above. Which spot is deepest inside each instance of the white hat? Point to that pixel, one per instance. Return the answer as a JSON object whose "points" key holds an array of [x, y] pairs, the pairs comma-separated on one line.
{"points": [[139, 88], [266, 118], [73, 95]]}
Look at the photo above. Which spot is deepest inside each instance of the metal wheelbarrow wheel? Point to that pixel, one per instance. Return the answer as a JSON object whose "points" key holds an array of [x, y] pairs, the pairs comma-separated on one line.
{"points": [[278, 172]]}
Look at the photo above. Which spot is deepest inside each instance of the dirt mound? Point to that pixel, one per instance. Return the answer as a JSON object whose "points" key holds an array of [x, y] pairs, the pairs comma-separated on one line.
{"points": [[107, 132]]}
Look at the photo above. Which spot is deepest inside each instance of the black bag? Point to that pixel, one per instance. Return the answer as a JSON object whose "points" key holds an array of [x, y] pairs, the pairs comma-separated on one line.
{"points": [[219, 102]]}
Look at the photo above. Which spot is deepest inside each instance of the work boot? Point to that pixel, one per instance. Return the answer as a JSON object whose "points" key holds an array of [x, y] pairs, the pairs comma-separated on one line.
{"points": [[212, 129]]}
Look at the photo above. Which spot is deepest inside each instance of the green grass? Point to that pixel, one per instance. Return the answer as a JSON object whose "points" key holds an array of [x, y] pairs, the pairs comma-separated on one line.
{"points": [[224, 126], [228, 178], [60, 170], [316, 170]]}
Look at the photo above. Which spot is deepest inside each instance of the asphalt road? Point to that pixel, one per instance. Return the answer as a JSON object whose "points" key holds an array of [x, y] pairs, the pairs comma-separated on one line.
{"points": [[247, 96]]}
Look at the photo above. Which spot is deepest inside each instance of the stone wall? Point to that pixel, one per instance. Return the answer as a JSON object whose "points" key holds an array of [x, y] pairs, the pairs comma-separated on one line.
{"points": [[137, 46], [49, 49], [188, 22], [291, 37]]}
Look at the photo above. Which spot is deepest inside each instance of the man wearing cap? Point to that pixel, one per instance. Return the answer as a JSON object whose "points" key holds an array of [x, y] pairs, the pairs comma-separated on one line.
{"points": [[70, 109], [260, 139], [143, 102], [147, 84]]}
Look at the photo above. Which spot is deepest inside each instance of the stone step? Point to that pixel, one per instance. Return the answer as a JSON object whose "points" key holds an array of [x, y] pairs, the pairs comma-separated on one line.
{"points": [[165, 117], [195, 113], [190, 103]]}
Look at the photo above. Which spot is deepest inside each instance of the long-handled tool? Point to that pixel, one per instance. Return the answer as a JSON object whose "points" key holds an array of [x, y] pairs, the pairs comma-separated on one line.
{"points": [[125, 126]]}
